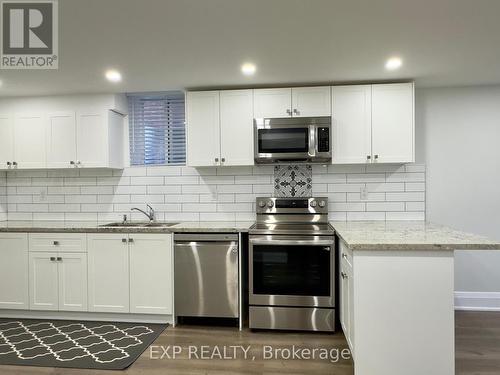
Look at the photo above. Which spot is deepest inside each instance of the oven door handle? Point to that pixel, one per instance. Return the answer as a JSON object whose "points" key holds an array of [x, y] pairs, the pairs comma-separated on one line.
{"points": [[255, 241]]}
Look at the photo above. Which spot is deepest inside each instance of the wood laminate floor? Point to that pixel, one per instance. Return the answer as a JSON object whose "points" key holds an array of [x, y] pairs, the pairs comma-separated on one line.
{"points": [[477, 352]]}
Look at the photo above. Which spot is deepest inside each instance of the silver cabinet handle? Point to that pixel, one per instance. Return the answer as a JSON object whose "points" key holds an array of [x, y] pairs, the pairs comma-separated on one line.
{"points": [[9, 163], [376, 157], [14, 163], [59, 259], [368, 158], [52, 259], [344, 276], [288, 112], [296, 111], [56, 243], [124, 240], [344, 256], [72, 162], [216, 160], [223, 160], [130, 240]]}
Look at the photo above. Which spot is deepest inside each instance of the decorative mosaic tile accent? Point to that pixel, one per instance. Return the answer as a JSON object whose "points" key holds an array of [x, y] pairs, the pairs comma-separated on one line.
{"points": [[292, 181]]}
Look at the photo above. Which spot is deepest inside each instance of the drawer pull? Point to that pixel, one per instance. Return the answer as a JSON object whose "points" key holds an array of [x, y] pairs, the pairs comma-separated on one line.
{"points": [[56, 243], [59, 259], [130, 240], [124, 240], [52, 259], [344, 275]]}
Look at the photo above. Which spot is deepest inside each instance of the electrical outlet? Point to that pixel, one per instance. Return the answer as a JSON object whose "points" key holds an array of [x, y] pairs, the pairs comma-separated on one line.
{"points": [[364, 193], [43, 196]]}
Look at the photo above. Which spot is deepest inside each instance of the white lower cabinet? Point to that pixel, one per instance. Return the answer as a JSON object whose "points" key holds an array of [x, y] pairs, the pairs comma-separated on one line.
{"points": [[43, 281], [14, 271], [151, 273], [58, 281], [72, 274], [347, 295], [108, 273]]}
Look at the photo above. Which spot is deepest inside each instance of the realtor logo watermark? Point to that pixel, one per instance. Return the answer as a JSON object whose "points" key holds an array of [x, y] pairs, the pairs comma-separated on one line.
{"points": [[29, 34]]}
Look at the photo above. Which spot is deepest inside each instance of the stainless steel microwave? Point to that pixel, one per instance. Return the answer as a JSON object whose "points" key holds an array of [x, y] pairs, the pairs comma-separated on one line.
{"points": [[292, 140]]}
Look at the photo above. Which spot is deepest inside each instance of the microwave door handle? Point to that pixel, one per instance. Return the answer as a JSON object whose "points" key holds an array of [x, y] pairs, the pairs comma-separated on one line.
{"points": [[312, 140]]}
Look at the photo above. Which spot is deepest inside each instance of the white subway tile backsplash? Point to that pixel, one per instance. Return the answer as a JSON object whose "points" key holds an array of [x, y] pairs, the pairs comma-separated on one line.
{"points": [[408, 196], [385, 206], [180, 193]]}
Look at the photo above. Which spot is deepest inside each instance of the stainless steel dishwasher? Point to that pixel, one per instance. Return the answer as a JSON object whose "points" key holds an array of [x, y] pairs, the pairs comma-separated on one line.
{"points": [[206, 275]]}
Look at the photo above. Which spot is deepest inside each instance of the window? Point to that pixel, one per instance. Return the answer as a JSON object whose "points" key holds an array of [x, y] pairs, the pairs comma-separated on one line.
{"points": [[157, 131]]}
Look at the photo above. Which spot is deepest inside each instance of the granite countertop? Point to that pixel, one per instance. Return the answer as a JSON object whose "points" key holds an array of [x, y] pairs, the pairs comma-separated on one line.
{"points": [[408, 235], [96, 227]]}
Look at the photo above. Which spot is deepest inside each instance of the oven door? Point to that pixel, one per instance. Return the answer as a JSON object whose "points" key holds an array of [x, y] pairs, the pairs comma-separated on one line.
{"points": [[283, 142], [292, 271]]}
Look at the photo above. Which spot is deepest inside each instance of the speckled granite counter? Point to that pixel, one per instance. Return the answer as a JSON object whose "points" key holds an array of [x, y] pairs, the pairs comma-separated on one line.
{"points": [[408, 235], [95, 227]]}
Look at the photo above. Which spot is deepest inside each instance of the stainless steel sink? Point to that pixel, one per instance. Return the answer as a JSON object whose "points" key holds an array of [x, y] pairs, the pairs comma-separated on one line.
{"points": [[138, 224]]}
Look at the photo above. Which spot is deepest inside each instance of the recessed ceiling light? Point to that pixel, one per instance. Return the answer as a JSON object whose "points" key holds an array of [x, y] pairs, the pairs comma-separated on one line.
{"points": [[113, 75], [248, 69], [393, 63]]}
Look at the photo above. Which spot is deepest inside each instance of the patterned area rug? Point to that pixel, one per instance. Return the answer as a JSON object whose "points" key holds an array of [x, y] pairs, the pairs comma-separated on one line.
{"points": [[63, 343]]}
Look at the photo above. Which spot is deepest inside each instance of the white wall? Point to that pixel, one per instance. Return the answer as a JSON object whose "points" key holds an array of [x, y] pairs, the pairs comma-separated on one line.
{"points": [[458, 135]]}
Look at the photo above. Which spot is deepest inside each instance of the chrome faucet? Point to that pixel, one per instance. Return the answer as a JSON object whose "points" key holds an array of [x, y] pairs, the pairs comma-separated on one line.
{"points": [[150, 212]]}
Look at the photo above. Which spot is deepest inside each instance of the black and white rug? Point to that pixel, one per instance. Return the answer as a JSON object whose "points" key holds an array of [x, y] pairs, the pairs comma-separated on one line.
{"points": [[63, 343]]}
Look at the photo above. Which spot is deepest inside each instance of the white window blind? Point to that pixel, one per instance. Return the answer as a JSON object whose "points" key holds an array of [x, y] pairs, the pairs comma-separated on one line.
{"points": [[157, 128]]}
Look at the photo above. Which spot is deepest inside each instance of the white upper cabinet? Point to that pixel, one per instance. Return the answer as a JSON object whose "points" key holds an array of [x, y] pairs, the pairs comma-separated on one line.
{"points": [[203, 129], [219, 128], [373, 123], [29, 141], [393, 123], [272, 103], [6, 141], [351, 123], [61, 137], [236, 127], [63, 132], [292, 102], [311, 101]]}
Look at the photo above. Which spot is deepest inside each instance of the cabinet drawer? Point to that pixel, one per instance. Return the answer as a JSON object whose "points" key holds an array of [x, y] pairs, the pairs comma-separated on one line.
{"points": [[67, 242], [345, 254]]}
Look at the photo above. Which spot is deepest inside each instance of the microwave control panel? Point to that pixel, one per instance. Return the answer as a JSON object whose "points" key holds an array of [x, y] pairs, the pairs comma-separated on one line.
{"points": [[323, 139]]}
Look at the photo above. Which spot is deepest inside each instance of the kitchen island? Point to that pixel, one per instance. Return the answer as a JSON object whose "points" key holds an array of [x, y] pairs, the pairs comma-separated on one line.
{"points": [[396, 294]]}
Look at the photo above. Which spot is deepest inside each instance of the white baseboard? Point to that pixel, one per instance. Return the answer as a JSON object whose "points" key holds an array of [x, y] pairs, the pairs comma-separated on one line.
{"points": [[477, 301], [67, 315]]}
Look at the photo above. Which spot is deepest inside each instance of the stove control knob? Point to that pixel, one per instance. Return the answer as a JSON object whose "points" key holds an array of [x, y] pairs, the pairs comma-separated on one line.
{"points": [[270, 204], [322, 204], [262, 204], [313, 204]]}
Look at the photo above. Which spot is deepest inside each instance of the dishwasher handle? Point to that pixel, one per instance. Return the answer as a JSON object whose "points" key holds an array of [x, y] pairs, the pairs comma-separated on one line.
{"points": [[205, 237]]}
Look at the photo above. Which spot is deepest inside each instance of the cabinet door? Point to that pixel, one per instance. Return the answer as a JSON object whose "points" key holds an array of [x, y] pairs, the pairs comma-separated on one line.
{"points": [[14, 271], [272, 103], [203, 129], [151, 273], [43, 281], [61, 140], [350, 307], [236, 127], [108, 273], [72, 281], [6, 141], [351, 122], [311, 101], [393, 132], [92, 139], [30, 141]]}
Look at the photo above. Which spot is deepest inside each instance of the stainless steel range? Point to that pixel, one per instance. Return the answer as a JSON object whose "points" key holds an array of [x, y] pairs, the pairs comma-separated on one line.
{"points": [[292, 265]]}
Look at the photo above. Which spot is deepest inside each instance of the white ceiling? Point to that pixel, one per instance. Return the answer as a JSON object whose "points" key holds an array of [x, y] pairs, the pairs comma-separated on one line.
{"points": [[178, 44]]}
